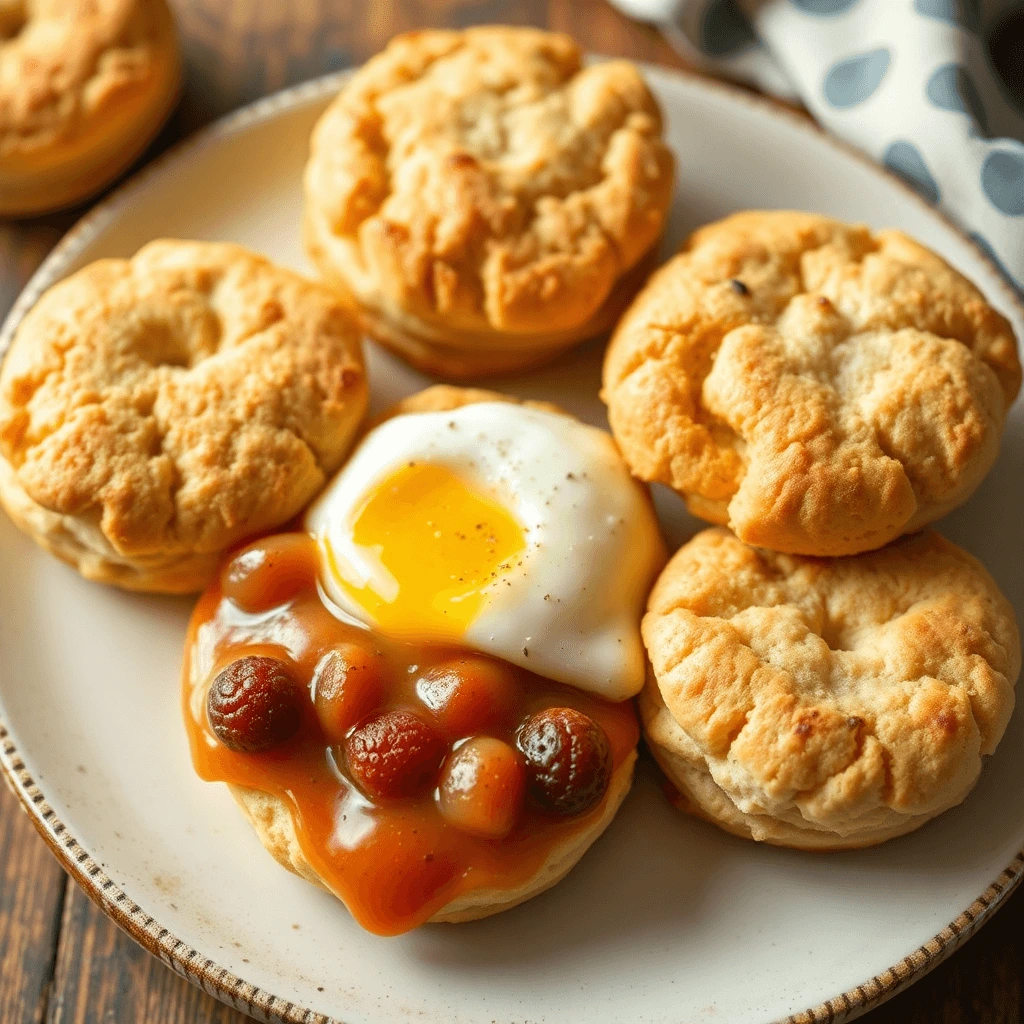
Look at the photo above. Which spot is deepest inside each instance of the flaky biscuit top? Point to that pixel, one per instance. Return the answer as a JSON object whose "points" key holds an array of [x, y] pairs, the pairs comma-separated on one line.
{"points": [[65, 65], [834, 692], [486, 179], [819, 388], [182, 399]]}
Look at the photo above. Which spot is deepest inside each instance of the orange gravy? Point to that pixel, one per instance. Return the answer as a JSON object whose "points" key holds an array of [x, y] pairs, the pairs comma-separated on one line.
{"points": [[394, 863]]}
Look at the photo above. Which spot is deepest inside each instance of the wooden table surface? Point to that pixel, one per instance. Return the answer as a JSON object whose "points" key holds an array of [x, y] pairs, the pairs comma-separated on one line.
{"points": [[61, 960]]}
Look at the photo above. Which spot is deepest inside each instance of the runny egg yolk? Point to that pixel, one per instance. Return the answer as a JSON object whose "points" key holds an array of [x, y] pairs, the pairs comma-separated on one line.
{"points": [[440, 542]]}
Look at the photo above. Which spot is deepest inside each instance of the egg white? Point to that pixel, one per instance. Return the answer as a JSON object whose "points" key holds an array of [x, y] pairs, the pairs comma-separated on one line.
{"points": [[569, 607]]}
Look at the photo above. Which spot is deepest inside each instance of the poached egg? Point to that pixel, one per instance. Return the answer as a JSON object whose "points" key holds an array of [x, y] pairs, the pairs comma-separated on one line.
{"points": [[510, 530]]}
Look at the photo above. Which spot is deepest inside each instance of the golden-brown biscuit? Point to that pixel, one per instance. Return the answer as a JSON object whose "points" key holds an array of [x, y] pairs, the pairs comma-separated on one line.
{"points": [[272, 821], [818, 388], [84, 87], [446, 397], [154, 411], [271, 818], [484, 199], [826, 703]]}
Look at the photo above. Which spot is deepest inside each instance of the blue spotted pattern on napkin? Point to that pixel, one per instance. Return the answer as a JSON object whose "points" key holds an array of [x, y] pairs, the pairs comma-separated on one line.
{"points": [[909, 82]]}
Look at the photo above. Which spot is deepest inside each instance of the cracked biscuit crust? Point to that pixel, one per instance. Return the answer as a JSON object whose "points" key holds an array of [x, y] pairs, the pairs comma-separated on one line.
{"points": [[154, 411], [826, 703], [481, 192], [83, 87], [819, 388]]}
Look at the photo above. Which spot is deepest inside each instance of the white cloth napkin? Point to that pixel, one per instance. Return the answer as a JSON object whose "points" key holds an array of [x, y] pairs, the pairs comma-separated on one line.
{"points": [[909, 82]]}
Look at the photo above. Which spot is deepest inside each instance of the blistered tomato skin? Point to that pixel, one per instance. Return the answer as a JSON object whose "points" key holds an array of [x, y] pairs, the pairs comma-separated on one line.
{"points": [[348, 686], [468, 695], [394, 754], [482, 788], [268, 573], [568, 760], [254, 704]]}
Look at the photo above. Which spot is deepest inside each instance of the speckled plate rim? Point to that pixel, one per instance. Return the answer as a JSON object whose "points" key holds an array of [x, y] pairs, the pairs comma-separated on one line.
{"points": [[147, 930]]}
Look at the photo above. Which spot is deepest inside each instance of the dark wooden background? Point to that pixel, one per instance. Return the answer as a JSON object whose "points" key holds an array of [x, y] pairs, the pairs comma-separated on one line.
{"points": [[61, 960]]}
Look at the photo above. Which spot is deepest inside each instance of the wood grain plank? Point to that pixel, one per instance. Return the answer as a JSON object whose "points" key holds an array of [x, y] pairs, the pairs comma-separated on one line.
{"points": [[23, 246], [1006, 47], [31, 896], [980, 984], [103, 977]]}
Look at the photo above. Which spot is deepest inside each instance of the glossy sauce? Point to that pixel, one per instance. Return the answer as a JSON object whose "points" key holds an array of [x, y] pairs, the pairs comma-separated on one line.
{"points": [[396, 862]]}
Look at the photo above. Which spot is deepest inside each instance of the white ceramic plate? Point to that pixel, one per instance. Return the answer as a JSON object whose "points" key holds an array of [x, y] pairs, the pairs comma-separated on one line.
{"points": [[667, 919]]}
